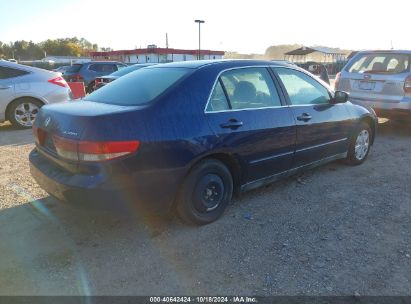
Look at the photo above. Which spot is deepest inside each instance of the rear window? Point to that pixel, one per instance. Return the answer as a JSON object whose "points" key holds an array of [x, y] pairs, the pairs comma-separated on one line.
{"points": [[74, 68], [6, 73], [138, 88], [380, 63], [127, 70]]}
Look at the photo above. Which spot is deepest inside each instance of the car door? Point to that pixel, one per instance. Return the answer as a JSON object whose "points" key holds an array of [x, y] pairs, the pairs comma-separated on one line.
{"points": [[322, 127], [251, 121], [7, 92]]}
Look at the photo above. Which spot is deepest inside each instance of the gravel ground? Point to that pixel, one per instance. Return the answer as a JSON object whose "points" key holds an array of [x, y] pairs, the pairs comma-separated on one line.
{"points": [[335, 230]]}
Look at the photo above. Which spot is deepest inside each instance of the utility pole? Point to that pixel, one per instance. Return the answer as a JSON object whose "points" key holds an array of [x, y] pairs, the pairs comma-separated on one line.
{"points": [[199, 36]]}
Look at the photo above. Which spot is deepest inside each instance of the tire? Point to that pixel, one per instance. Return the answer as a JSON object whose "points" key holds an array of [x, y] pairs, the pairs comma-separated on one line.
{"points": [[205, 193], [23, 111], [360, 145]]}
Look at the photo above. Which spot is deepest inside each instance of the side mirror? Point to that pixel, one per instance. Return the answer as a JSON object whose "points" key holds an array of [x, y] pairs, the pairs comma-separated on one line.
{"points": [[340, 97]]}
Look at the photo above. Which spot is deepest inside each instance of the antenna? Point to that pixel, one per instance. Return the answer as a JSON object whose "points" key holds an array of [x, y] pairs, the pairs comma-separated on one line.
{"points": [[166, 40]]}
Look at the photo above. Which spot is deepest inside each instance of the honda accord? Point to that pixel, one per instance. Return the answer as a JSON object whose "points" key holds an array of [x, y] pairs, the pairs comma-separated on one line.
{"points": [[185, 136]]}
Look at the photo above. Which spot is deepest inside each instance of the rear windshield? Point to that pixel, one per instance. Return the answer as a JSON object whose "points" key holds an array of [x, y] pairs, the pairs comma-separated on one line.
{"points": [[138, 88], [380, 63], [74, 68], [127, 70]]}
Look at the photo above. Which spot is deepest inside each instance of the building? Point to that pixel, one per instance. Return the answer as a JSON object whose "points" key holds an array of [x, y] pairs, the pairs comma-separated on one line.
{"points": [[328, 55], [153, 54], [65, 59]]}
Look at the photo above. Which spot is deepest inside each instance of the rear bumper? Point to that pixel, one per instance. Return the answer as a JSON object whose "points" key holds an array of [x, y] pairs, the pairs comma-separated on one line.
{"points": [[59, 95], [147, 192]]}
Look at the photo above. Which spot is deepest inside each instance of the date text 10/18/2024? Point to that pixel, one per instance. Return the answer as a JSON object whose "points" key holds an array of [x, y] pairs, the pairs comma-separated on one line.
{"points": [[203, 299]]}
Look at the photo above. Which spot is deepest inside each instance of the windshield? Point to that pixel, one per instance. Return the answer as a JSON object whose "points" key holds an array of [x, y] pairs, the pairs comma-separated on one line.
{"points": [[138, 88], [380, 63]]}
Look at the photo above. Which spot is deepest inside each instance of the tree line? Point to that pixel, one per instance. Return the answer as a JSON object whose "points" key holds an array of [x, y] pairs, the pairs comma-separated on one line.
{"points": [[28, 50]]}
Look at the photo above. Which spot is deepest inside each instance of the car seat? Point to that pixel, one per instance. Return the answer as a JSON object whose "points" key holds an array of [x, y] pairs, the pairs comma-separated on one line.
{"points": [[244, 91]]}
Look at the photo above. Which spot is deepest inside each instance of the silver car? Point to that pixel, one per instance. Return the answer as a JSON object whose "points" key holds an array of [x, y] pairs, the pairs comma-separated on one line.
{"points": [[24, 89], [379, 79]]}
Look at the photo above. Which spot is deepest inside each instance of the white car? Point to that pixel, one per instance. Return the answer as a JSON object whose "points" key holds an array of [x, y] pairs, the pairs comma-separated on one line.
{"points": [[24, 89]]}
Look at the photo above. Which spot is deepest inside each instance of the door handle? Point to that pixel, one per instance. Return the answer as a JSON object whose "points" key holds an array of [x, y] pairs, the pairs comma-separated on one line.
{"points": [[304, 117], [232, 124], [5, 87]]}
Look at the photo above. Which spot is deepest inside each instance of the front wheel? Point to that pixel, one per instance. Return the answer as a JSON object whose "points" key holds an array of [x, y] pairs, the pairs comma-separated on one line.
{"points": [[205, 193], [360, 145]]}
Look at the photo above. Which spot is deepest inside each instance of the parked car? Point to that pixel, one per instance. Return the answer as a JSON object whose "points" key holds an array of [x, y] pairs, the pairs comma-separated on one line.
{"points": [[381, 80], [62, 69], [87, 72], [103, 80], [316, 68], [24, 89], [188, 135]]}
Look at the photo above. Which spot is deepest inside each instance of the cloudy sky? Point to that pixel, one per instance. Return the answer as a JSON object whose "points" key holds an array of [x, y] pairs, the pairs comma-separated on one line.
{"points": [[242, 26]]}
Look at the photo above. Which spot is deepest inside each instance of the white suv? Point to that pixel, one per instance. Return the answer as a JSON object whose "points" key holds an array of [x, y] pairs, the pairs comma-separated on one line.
{"points": [[379, 79]]}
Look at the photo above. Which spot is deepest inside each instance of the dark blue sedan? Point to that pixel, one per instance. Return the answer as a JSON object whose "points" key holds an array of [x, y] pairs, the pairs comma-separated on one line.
{"points": [[188, 135]]}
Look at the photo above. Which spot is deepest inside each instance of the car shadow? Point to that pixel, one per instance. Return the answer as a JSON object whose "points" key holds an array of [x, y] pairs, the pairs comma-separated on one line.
{"points": [[12, 136], [52, 248]]}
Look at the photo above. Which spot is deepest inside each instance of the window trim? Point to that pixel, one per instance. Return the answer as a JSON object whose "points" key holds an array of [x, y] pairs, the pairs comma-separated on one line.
{"points": [[267, 67], [285, 93]]}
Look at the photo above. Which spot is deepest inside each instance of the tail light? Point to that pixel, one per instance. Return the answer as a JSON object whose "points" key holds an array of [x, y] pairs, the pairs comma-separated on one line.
{"points": [[407, 85], [93, 151], [337, 80], [39, 135], [59, 81]]}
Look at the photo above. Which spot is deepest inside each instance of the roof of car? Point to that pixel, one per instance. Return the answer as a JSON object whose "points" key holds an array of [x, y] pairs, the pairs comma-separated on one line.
{"points": [[23, 67], [195, 64]]}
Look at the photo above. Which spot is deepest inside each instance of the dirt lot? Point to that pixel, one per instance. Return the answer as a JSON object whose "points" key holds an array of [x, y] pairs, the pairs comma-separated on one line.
{"points": [[336, 230]]}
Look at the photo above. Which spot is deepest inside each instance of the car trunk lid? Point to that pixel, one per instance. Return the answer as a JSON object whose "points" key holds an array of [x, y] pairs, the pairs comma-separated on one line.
{"points": [[374, 87], [64, 132]]}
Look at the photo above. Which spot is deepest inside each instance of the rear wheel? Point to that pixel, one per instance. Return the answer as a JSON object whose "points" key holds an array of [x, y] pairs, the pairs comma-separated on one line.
{"points": [[23, 111], [360, 145], [206, 192]]}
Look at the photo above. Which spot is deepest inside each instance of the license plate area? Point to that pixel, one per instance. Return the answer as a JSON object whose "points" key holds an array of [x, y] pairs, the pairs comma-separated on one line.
{"points": [[366, 85]]}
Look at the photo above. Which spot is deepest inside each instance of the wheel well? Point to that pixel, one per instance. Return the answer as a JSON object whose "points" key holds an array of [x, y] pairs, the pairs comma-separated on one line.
{"points": [[228, 160], [369, 121], [14, 100], [231, 162], [233, 165]]}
